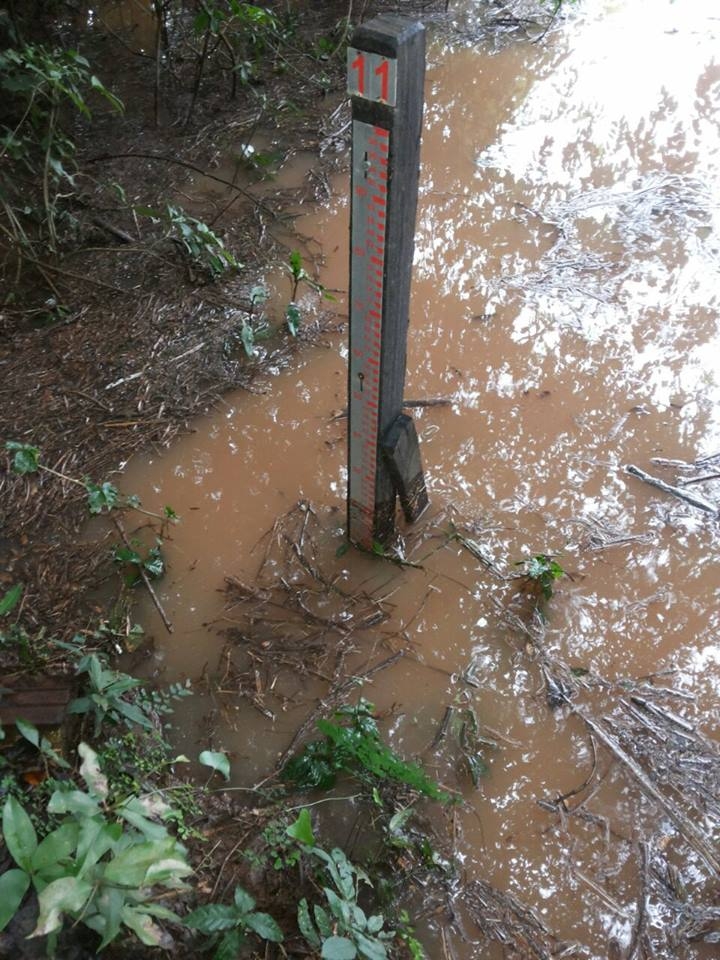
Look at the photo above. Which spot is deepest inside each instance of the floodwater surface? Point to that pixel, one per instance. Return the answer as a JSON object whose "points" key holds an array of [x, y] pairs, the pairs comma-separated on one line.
{"points": [[565, 301]]}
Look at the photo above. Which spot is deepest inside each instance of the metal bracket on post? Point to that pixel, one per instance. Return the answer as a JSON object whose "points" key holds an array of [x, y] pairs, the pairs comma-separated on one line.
{"points": [[401, 451], [386, 71]]}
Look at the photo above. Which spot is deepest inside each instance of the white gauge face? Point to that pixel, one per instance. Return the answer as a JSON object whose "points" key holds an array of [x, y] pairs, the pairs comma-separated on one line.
{"points": [[371, 147], [372, 76]]}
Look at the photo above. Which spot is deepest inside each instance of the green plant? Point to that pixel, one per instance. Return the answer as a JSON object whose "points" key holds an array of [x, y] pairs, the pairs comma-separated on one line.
{"points": [[40, 81], [253, 325], [201, 245], [152, 562], [353, 745], [541, 572], [298, 275], [217, 760], [31, 733], [105, 696], [240, 30], [342, 930], [144, 764], [100, 867], [407, 934], [280, 843], [228, 924]]}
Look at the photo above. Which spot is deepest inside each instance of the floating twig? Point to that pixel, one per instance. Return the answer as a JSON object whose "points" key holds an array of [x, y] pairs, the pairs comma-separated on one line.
{"points": [[690, 498]]}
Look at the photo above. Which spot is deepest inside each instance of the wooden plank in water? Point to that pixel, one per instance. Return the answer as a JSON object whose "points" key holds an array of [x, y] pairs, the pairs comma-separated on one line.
{"points": [[40, 700]]}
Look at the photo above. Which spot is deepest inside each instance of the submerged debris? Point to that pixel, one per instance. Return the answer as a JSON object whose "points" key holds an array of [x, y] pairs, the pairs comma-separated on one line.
{"points": [[502, 917], [295, 623]]}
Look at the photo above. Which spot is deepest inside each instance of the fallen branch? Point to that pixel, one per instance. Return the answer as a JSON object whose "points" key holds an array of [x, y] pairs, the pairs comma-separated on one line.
{"points": [[112, 229], [690, 498], [145, 578]]}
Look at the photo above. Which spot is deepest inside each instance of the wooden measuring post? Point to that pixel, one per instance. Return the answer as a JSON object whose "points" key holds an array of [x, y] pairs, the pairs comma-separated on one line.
{"points": [[386, 71]]}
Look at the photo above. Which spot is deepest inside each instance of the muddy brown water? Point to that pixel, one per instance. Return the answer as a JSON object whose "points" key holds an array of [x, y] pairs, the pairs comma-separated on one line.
{"points": [[566, 300]]}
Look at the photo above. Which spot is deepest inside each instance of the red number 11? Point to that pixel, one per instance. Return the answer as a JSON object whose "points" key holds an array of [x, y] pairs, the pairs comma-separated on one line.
{"points": [[383, 71], [359, 64]]}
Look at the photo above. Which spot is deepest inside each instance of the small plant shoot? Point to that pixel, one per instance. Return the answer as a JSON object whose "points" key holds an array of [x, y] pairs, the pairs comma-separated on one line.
{"points": [[540, 573]]}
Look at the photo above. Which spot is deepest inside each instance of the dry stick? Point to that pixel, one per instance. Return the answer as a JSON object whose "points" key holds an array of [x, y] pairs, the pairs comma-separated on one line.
{"points": [[73, 276], [675, 491], [705, 476], [696, 840], [112, 229], [641, 922], [189, 166], [145, 579], [159, 15]]}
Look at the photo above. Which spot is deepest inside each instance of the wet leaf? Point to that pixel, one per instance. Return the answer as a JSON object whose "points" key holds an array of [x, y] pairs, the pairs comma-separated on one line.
{"points": [[154, 563], [217, 761], [293, 318], [338, 948], [130, 867], [114, 101], [371, 949], [247, 337], [66, 895], [13, 887], [258, 296], [477, 767], [399, 820], [26, 459], [73, 801], [301, 830], [11, 599], [264, 926], [144, 927], [212, 918], [306, 925], [101, 497], [55, 848], [243, 901], [91, 773], [126, 555], [18, 833], [29, 731], [230, 945]]}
